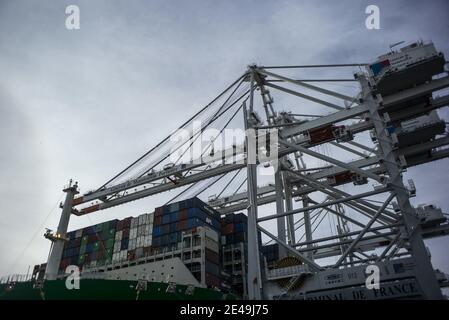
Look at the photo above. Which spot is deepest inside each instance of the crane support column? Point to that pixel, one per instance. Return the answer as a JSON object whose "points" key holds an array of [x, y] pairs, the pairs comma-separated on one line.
{"points": [[307, 227], [59, 238], [425, 274], [289, 207], [254, 279], [280, 210]]}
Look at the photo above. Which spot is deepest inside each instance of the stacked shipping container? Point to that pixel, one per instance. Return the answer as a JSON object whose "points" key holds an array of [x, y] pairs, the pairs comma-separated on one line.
{"points": [[233, 229], [91, 246], [133, 238], [189, 225], [175, 228], [192, 229], [171, 220], [234, 251]]}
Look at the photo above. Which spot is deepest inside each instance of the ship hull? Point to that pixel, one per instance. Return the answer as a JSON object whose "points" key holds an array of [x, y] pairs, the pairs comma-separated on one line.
{"points": [[100, 289]]}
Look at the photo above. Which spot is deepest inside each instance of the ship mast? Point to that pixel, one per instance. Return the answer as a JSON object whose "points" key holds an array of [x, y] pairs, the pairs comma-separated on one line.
{"points": [[59, 238]]}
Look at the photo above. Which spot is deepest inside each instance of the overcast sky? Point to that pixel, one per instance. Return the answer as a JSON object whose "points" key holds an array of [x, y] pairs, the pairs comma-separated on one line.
{"points": [[84, 103]]}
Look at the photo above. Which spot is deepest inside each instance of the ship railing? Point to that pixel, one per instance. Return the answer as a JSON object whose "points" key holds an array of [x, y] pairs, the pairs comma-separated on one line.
{"points": [[291, 271], [15, 278], [166, 253]]}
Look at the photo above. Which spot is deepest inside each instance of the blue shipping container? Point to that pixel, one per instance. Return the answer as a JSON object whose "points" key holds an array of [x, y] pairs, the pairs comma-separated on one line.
{"points": [[89, 248], [212, 268], [165, 219], [173, 237], [240, 227], [165, 229], [124, 244], [156, 241], [156, 231]]}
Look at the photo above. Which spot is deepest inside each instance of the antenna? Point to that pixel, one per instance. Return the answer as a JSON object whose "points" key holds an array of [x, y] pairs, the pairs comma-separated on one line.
{"points": [[395, 44]]}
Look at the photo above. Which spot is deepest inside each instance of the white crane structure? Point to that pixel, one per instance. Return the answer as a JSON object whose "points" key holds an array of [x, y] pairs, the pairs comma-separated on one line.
{"points": [[342, 164]]}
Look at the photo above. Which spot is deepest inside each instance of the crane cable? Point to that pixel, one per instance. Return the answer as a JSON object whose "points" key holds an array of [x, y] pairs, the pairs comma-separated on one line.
{"points": [[168, 137], [196, 135], [34, 235]]}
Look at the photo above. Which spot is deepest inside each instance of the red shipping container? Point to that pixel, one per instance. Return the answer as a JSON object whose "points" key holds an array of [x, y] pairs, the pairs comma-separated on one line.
{"points": [[119, 225], [212, 281], [212, 256], [181, 225], [64, 263], [157, 220], [158, 212], [127, 223], [322, 134], [100, 254], [92, 238], [131, 255], [228, 229], [183, 214], [344, 177], [125, 233]]}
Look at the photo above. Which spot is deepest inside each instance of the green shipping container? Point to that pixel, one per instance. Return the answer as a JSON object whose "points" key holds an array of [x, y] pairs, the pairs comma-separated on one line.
{"points": [[82, 249], [109, 243], [108, 253], [81, 259], [100, 262], [96, 246], [111, 234], [84, 240]]}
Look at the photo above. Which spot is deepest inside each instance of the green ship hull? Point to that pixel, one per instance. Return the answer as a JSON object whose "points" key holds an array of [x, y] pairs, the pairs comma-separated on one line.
{"points": [[100, 289]]}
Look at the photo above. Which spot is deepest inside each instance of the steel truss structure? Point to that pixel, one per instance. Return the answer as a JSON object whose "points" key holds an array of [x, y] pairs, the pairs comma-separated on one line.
{"points": [[377, 225]]}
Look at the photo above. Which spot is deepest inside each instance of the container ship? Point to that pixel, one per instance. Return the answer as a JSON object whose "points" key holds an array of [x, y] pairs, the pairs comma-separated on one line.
{"points": [[193, 250], [183, 250]]}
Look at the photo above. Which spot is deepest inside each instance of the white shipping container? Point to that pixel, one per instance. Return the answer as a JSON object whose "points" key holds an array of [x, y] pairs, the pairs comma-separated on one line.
{"points": [[132, 244], [115, 257], [123, 255], [118, 235], [140, 230], [134, 222], [211, 244], [211, 234], [147, 241], [150, 218], [117, 246], [147, 230], [79, 233], [140, 219], [133, 233], [139, 253]]}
